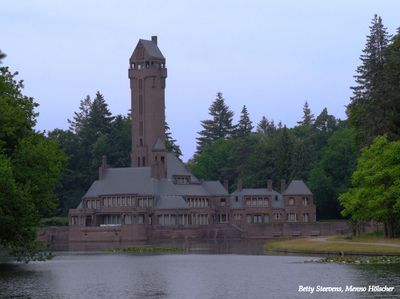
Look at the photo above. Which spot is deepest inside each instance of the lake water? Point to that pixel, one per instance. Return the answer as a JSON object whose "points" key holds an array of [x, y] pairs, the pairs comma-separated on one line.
{"points": [[194, 275]]}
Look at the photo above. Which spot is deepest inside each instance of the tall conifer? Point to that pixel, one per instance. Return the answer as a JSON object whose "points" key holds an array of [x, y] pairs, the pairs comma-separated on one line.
{"points": [[218, 127]]}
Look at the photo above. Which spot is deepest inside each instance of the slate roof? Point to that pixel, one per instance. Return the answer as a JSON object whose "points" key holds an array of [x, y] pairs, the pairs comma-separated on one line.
{"points": [[159, 145], [276, 202], [297, 187], [138, 180], [152, 49], [170, 202], [215, 187], [176, 167], [129, 180]]}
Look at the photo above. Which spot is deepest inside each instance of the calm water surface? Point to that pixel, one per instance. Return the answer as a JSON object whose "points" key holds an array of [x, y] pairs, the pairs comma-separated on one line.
{"points": [[102, 275]]}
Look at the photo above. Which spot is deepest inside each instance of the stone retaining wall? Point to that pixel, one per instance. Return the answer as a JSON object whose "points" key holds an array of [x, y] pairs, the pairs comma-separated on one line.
{"points": [[72, 238]]}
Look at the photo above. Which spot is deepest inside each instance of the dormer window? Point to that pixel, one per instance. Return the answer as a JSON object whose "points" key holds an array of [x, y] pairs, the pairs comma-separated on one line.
{"points": [[181, 179]]}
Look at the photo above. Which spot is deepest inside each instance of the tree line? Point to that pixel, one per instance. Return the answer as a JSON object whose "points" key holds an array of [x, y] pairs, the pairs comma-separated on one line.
{"points": [[319, 150]]}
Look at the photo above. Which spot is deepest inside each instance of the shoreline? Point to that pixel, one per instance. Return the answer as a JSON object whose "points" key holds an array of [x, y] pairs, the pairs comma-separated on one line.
{"points": [[334, 246]]}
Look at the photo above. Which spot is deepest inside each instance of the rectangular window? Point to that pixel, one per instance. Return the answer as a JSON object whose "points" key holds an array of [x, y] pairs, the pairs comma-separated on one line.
{"points": [[141, 128], [140, 105], [248, 218], [140, 82], [292, 217], [74, 220], [305, 217]]}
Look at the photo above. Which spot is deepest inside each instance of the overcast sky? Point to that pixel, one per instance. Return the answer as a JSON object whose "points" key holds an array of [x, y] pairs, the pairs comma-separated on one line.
{"points": [[271, 56]]}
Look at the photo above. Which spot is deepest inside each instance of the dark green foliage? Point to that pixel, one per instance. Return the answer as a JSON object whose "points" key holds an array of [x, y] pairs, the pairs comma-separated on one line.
{"points": [[391, 79], [93, 132], [218, 127], [283, 153], [30, 167], [375, 191], [308, 117], [332, 174], [369, 107], [170, 142], [244, 127], [266, 127]]}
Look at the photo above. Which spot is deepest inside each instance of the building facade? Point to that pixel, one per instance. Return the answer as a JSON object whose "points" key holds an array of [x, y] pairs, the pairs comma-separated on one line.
{"points": [[158, 192]]}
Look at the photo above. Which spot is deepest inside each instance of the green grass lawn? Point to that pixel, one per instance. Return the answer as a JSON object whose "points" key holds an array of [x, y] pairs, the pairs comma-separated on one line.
{"points": [[375, 238], [309, 245]]}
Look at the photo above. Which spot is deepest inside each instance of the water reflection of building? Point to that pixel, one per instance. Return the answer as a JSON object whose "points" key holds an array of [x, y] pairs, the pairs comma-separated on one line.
{"points": [[157, 196]]}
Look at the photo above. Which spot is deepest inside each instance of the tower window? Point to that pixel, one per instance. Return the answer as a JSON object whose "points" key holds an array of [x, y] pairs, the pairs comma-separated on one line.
{"points": [[141, 128], [140, 83], [138, 161], [140, 105], [143, 161], [141, 141], [162, 159]]}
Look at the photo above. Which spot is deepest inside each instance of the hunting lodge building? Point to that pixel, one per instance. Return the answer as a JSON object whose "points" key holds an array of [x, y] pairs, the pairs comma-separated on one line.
{"points": [[157, 197]]}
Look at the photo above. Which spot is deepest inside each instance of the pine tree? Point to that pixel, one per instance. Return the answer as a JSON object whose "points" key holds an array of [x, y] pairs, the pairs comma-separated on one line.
{"points": [[170, 142], [244, 125], [100, 117], [219, 127], [391, 81], [367, 110], [308, 117], [283, 153], [266, 127], [80, 117], [325, 122]]}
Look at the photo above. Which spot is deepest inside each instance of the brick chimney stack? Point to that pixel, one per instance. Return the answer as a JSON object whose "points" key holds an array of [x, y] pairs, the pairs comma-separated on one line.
{"points": [[283, 185], [226, 185], [154, 39], [239, 184], [103, 167], [269, 185]]}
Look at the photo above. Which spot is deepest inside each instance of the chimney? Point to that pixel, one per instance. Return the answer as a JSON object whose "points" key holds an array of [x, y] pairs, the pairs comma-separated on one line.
{"points": [[154, 39], [239, 184], [283, 185], [103, 167], [269, 185], [226, 185]]}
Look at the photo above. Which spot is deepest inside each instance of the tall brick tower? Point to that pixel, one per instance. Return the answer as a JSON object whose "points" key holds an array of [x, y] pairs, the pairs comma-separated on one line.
{"points": [[147, 74]]}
